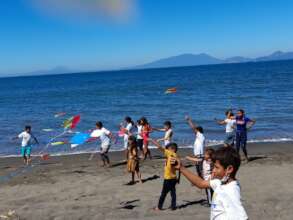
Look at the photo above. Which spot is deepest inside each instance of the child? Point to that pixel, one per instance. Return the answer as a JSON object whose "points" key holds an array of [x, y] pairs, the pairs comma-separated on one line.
{"points": [[242, 123], [168, 133], [105, 137], [26, 144], [230, 125], [226, 202], [199, 144], [128, 130], [170, 178], [146, 130], [207, 166], [133, 160], [139, 138]]}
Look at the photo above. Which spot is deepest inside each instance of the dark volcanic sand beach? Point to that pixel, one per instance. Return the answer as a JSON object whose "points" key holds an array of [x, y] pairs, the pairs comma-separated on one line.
{"points": [[73, 187]]}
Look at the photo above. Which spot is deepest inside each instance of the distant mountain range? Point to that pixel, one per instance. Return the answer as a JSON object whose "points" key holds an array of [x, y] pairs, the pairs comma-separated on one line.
{"points": [[206, 59]]}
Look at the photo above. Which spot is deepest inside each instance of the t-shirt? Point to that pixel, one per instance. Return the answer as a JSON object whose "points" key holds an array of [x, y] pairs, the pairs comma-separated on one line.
{"points": [[103, 134], [168, 136], [230, 123], [139, 130], [241, 124], [128, 127], [198, 148], [26, 138], [226, 201], [206, 169], [169, 170]]}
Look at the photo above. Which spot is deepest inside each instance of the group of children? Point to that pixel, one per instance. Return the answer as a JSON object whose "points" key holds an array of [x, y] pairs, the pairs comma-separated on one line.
{"points": [[216, 169]]}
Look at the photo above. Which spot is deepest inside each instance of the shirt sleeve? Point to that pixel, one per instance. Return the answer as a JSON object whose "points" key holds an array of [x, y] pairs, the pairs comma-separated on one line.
{"points": [[107, 132], [95, 134], [20, 135], [226, 120], [215, 183], [247, 120]]}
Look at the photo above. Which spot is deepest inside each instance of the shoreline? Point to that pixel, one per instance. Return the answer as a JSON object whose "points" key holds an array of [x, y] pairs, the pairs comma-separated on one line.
{"points": [[251, 142]]}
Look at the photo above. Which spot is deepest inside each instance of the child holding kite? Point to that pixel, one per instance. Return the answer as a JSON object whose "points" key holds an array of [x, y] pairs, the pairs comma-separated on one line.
{"points": [[127, 131], [105, 137], [26, 144], [168, 133], [170, 177], [133, 159]]}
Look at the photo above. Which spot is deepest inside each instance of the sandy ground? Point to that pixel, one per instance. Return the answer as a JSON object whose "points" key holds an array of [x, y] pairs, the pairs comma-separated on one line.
{"points": [[73, 187]]}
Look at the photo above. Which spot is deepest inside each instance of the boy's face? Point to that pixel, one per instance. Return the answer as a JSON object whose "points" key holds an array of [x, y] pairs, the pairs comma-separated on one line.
{"points": [[28, 130], [166, 127], [206, 156], [219, 171], [172, 149], [239, 114]]}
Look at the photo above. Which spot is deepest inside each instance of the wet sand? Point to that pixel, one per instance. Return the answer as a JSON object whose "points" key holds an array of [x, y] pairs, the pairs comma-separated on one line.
{"points": [[74, 187]]}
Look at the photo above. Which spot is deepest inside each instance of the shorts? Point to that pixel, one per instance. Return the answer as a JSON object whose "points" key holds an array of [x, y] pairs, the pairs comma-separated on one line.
{"points": [[230, 138], [26, 151], [105, 149], [140, 144]]}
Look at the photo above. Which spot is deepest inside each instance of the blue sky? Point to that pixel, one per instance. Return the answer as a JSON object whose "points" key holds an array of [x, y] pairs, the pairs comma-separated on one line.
{"points": [[35, 37]]}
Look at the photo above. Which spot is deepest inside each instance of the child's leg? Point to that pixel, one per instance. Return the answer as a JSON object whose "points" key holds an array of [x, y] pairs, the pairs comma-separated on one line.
{"points": [[103, 158], [243, 144], [238, 141], [138, 174], [165, 190], [173, 193], [132, 176], [107, 158]]}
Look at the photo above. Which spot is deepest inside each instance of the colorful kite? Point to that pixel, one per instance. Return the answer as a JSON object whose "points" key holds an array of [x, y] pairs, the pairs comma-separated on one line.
{"points": [[57, 143], [45, 157], [71, 122], [79, 139], [171, 90]]}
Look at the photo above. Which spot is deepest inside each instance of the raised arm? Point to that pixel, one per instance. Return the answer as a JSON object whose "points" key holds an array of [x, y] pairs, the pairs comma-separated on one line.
{"points": [[156, 143], [220, 122], [193, 178], [192, 124]]}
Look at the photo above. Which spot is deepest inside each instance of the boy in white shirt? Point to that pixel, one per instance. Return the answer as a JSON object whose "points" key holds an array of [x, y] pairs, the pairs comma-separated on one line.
{"points": [[105, 137], [128, 131], [26, 144], [199, 144], [168, 133], [230, 123], [226, 201]]}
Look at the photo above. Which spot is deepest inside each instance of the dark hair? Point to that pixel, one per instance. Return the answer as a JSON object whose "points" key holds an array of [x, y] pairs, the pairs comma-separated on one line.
{"points": [[133, 140], [210, 151], [241, 110], [99, 124], [228, 112], [199, 129], [228, 156], [27, 127], [168, 124], [144, 121], [128, 120], [172, 145]]}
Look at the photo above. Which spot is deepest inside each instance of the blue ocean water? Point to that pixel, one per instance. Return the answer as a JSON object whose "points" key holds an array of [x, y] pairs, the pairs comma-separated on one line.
{"points": [[264, 90]]}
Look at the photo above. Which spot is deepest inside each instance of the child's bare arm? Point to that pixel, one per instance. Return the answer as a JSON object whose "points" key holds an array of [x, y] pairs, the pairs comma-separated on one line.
{"points": [[220, 122], [156, 143], [193, 159], [194, 179], [192, 124]]}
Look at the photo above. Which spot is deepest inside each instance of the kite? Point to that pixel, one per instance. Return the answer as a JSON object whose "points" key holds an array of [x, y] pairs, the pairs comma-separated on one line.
{"points": [[57, 115], [47, 129], [171, 90], [78, 139], [58, 143], [121, 132], [71, 122]]}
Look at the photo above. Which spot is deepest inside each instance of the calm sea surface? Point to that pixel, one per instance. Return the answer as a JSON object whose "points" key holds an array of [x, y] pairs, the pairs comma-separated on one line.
{"points": [[264, 90]]}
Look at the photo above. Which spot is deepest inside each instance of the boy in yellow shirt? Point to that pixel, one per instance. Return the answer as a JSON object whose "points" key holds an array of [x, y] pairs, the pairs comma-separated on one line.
{"points": [[170, 177]]}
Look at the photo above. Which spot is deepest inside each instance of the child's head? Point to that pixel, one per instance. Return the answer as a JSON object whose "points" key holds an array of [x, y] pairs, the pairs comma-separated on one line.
{"points": [[144, 121], [240, 113], [226, 163], [229, 113], [132, 141], [199, 129], [99, 125], [209, 153], [172, 147], [167, 125], [128, 119], [28, 128]]}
